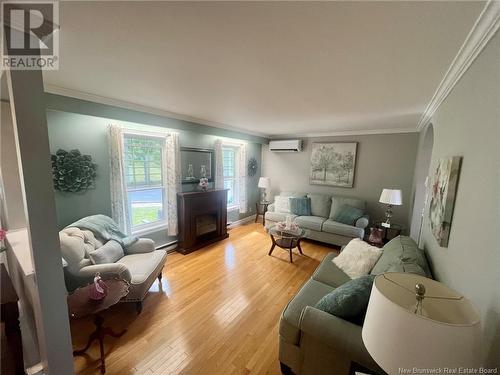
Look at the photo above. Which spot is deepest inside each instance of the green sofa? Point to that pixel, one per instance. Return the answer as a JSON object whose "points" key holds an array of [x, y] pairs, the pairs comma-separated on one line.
{"points": [[320, 225], [312, 341]]}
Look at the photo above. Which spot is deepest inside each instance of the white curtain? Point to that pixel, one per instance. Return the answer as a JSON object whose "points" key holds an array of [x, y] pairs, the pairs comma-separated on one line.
{"points": [[119, 205], [241, 172], [172, 180], [219, 170]]}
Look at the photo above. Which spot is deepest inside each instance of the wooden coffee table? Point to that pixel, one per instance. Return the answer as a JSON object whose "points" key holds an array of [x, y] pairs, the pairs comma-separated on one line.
{"points": [[286, 239], [80, 305]]}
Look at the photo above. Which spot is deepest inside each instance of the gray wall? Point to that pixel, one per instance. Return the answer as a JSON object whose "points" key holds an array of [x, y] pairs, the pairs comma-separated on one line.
{"points": [[89, 135], [383, 161], [468, 124]]}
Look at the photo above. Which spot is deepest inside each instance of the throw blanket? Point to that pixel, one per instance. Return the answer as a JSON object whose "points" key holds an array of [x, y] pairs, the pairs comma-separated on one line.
{"points": [[105, 228]]}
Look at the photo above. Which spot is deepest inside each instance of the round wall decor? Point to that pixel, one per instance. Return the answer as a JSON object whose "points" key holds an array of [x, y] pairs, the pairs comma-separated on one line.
{"points": [[252, 166], [72, 171]]}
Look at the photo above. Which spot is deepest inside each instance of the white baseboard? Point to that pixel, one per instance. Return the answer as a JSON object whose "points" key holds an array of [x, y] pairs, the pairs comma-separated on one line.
{"points": [[243, 221]]}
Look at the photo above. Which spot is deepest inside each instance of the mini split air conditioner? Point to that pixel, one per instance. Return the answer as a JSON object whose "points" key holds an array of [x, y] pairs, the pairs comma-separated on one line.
{"points": [[292, 145]]}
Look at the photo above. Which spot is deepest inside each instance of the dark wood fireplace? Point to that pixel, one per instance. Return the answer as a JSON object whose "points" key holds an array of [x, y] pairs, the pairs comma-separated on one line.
{"points": [[202, 218]]}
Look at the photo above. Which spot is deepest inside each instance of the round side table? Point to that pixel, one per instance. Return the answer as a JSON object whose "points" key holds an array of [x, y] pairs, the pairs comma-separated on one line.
{"points": [[389, 233], [261, 209]]}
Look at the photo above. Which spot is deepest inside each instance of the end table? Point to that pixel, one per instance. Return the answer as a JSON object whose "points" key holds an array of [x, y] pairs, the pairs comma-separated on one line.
{"points": [[80, 305], [258, 211], [389, 233]]}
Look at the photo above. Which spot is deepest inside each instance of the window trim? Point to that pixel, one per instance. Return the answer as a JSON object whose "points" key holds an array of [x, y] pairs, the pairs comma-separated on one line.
{"points": [[156, 225]]}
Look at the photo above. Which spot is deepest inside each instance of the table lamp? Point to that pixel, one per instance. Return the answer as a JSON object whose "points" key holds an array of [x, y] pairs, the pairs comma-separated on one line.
{"points": [[264, 184], [415, 322], [391, 197]]}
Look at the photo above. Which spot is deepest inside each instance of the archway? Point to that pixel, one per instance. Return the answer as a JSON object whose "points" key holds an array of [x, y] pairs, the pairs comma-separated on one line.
{"points": [[421, 175]]}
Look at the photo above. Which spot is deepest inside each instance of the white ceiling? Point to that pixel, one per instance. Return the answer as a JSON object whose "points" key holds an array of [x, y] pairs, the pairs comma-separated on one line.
{"points": [[282, 68]]}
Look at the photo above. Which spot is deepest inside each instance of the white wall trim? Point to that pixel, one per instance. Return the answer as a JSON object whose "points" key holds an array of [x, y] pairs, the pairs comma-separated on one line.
{"points": [[344, 133], [53, 89], [240, 222], [483, 30]]}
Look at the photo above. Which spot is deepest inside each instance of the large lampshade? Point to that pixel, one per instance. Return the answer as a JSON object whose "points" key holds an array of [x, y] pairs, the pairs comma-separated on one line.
{"points": [[264, 182], [445, 335], [391, 196]]}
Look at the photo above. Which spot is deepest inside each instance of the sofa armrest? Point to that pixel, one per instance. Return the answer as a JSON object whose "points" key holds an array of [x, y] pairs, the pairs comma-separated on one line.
{"points": [[106, 270], [142, 245], [336, 333], [363, 221], [270, 208]]}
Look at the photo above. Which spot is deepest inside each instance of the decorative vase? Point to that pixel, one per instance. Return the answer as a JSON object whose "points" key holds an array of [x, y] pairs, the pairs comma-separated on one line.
{"points": [[190, 172], [99, 289], [203, 171]]}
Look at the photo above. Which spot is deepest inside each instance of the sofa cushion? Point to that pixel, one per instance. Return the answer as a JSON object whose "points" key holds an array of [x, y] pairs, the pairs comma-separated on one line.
{"points": [[282, 204], [350, 300], [331, 226], [320, 204], [300, 206], [110, 252], [278, 216], [338, 202], [358, 258], [398, 254], [310, 222], [141, 266], [348, 215], [308, 295], [328, 272]]}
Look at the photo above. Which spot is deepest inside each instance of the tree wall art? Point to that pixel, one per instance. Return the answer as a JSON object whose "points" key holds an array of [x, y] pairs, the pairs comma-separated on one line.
{"points": [[333, 164]]}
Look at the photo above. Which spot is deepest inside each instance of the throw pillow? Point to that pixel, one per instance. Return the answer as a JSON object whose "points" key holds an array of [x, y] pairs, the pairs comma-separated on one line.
{"points": [[320, 204], [358, 258], [110, 252], [300, 206], [348, 214], [350, 300], [282, 204]]}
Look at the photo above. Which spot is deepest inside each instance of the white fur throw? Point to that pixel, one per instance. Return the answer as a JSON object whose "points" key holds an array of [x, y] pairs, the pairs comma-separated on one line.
{"points": [[282, 204], [358, 258]]}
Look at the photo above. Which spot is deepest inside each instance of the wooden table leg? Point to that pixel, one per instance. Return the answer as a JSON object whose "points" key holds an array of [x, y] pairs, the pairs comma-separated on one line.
{"points": [[98, 335], [272, 246], [298, 247], [291, 259]]}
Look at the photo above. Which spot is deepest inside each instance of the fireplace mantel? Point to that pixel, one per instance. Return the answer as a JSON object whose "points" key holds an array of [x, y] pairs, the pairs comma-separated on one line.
{"points": [[202, 218]]}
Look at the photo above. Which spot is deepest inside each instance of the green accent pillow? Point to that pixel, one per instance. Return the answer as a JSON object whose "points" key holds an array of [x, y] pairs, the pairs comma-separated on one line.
{"points": [[348, 214], [350, 300], [300, 206]]}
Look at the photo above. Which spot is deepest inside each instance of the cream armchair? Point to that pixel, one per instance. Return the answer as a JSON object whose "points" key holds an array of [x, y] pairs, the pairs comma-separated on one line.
{"points": [[140, 265]]}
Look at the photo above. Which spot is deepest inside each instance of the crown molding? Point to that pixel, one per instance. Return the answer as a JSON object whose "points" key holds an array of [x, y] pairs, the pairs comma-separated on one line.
{"points": [[345, 133], [483, 30], [53, 89]]}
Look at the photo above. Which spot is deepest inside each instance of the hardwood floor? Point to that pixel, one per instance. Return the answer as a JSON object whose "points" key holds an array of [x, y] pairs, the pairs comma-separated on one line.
{"points": [[216, 312]]}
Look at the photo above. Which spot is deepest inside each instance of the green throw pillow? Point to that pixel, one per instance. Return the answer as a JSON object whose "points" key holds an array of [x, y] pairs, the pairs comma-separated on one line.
{"points": [[348, 214], [350, 300], [300, 206]]}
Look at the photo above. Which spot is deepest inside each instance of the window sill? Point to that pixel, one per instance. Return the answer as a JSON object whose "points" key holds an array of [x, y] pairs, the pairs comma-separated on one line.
{"points": [[150, 229], [233, 208]]}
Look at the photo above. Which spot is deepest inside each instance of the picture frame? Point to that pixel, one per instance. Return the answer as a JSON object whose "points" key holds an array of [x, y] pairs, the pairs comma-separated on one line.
{"points": [[333, 164]]}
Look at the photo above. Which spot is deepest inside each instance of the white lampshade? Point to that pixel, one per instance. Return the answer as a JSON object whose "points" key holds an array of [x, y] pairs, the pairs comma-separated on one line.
{"points": [[446, 335], [264, 182], [391, 196]]}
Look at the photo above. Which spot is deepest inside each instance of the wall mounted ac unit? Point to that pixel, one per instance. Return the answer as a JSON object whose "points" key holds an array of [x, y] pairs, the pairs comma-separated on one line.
{"points": [[292, 145]]}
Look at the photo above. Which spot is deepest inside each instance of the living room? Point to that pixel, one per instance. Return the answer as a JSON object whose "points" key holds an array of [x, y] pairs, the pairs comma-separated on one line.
{"points": [[253, 187]]}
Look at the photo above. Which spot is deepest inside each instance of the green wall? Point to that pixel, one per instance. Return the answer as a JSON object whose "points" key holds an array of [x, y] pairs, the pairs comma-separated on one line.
{"points": [[89, 135]]}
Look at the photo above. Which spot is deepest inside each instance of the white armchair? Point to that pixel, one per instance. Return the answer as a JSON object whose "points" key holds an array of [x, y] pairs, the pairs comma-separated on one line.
{"points": [[140, 265]]}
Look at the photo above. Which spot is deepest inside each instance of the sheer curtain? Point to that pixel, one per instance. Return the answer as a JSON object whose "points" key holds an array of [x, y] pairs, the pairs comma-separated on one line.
{"points": [[119, 206], [172, 180], [219, 170]]}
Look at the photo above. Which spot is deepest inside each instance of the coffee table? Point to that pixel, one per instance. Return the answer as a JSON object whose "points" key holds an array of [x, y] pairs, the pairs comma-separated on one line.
{"points": [[80, 305], [286, 239]]}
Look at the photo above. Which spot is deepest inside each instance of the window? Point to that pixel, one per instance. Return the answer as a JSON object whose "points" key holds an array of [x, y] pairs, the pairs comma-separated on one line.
{"points": [[230, 175], [144, 179]]}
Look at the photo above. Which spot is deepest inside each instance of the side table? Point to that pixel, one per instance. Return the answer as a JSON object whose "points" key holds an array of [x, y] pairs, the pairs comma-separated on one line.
{"points": [[258, 211], [80, 305], [389, 233]]}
